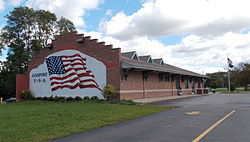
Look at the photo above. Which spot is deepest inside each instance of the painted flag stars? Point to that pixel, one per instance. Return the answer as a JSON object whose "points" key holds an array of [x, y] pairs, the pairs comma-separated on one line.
{"points": [[70, 72]]}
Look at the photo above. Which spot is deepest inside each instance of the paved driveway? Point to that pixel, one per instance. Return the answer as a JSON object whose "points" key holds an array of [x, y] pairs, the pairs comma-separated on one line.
{"points": [[183, 124]]}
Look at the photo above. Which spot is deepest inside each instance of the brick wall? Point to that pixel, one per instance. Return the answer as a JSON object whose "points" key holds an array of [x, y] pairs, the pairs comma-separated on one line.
{"points": [[105, 53], [22, 83], [91, 47], [156, 88], [132, 88], [135, 88]]}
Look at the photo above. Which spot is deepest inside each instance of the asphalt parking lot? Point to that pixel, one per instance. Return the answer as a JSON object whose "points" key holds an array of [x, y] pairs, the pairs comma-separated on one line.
{"points": [[217, 118]]}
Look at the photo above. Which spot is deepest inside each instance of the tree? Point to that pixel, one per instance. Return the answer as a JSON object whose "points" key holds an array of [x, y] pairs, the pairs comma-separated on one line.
{"points": [[65, 26], [26, 33], [1, 45], [241, 75], [7, 84], [217, 80]]}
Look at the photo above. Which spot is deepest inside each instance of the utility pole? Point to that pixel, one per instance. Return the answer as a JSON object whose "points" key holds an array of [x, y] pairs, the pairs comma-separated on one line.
{"points": [[229, 85]]}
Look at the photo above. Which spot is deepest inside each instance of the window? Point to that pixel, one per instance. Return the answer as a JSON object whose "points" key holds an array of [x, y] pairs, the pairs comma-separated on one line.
{"points": [[160, 77], [145, 75], [163, 77], [186, 83], [177, 82], [183, 78], [199, 84]]}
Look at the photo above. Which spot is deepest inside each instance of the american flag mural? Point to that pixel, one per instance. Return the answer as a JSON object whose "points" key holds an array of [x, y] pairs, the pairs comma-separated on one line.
{"points": [[70, 72]]}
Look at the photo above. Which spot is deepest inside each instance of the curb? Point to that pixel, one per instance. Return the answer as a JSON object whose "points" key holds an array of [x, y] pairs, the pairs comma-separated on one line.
{"points": [[160, 99]]}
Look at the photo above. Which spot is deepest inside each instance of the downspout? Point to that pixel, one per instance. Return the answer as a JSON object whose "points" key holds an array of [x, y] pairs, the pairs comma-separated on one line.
{"points": [[143, 87], [171, 84]]}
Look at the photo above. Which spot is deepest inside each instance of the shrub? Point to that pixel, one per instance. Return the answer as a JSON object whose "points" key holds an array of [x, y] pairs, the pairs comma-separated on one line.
{"points": [[58, 99], [123, 102], [55, 99], [86, 98], [44, 98], [33, 98], [101, 101], [94, 98], [38, 98], [115, 102], [69, 99], [26, 95], [128, 102], [51, 98], [232, 87], [77, 98], [109, 91], [61, 99]]}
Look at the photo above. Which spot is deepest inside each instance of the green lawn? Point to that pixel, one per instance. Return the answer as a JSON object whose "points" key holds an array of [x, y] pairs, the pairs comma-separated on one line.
{"points": [[225, 90], [41, 121]]}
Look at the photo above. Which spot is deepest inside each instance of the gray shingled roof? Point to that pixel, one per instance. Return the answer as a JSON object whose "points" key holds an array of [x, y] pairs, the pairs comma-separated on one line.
{"points": [[128, 54], [158, 61], [144, 58], [128, 63]]}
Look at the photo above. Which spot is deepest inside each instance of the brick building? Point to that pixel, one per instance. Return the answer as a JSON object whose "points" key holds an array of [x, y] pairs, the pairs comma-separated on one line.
{"points": [[133, 76]]}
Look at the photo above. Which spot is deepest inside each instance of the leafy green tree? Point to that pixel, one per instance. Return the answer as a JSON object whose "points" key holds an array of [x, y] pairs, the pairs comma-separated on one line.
{"points": [[217, 80], [241, 75], [28, 31], [64, 26], [7, 84], [1, 45]]}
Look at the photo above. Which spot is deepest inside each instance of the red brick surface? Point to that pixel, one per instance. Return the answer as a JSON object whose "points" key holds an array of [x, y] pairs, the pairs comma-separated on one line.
{"points": [[22, 83], [139, 89], [91, 47], [199, 91]]}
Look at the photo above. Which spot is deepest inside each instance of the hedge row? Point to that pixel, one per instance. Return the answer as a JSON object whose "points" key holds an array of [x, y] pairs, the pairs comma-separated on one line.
{"points": [[65, 99]]}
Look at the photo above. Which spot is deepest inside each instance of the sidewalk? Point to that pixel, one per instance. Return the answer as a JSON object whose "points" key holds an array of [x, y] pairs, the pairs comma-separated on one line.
{"points": [[158, 99]]}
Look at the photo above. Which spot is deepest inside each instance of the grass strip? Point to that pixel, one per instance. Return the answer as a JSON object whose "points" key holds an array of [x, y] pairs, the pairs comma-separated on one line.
{"points": [[40, 121]]}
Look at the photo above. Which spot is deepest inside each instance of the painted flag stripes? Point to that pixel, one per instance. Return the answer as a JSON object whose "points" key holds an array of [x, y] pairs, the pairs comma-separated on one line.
{"points": [[230, 63], [69, 72]]}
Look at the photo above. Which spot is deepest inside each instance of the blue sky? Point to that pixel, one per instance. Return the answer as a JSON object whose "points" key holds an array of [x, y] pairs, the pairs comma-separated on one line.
{"points": [[185, 33], [94, 17]]}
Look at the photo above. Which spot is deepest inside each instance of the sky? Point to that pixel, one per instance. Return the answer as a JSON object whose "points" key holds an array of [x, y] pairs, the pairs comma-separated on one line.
{"points": [[197, 35]]}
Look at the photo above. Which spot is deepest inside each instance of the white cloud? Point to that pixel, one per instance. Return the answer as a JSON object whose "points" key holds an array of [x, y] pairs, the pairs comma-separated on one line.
{"points": [[1, 60], [167, 17], [2, 5], [210, 54], [75, 10], [195, 53], [14, 2], [213, 29]]}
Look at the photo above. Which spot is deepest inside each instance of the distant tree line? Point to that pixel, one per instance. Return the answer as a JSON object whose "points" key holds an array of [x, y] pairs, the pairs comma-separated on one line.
{"points": [[217, 80], [27, 31], [239, 75]]}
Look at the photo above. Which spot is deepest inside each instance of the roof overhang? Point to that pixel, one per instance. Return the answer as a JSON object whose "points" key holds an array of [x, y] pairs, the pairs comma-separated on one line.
{"points": [[154, 67]]}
